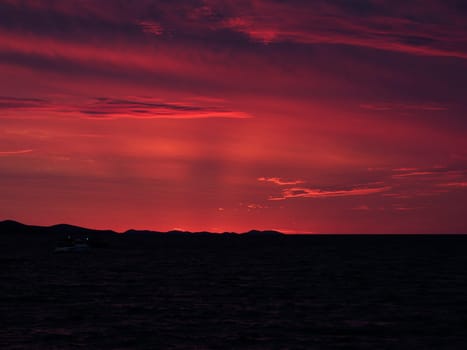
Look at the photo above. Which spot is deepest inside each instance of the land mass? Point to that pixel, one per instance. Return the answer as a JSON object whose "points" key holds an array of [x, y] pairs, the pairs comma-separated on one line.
{"points": [[14, 227]]}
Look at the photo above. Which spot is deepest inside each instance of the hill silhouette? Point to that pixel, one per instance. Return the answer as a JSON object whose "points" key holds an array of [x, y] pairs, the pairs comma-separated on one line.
{"points": [[14, 227]]}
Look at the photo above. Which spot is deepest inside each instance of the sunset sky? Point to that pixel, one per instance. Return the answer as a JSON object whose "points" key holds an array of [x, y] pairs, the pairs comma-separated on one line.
{"points": [[304, 116]]}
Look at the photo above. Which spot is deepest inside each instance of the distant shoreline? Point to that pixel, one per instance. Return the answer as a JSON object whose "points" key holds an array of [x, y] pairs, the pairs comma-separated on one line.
{"points": [[11, 226]]}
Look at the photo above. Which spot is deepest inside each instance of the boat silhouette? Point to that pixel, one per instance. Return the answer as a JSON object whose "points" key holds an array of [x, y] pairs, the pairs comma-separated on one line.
{"points": [[71, 244]]}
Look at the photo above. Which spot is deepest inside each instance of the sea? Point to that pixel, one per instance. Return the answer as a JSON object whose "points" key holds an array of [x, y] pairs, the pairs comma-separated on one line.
{"points": [[290, 292]]}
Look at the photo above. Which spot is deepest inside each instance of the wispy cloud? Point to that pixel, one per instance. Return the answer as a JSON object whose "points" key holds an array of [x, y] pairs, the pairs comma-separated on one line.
{"points": [[462, 184], [308, 192], [303, 192], [21, 103], [113, 108], [329, 22], [150, 109], [409, 183], [436, 174], [16, 152], [404, 107], [399, 184], [151, 27], [404, 208], [254, 206], [413, 173], [279, 181]]}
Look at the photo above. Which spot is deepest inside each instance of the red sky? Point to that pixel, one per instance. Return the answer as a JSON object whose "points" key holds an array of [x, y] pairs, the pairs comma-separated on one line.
{"points": [[324, 116]]}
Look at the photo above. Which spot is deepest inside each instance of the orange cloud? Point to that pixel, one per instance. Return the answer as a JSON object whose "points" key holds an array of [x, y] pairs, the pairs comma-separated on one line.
{"points": [[303, 192], [279, 181]]}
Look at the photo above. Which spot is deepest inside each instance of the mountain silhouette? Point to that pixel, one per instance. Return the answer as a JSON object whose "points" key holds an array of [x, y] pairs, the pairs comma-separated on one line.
{"points": [[14, 227]]}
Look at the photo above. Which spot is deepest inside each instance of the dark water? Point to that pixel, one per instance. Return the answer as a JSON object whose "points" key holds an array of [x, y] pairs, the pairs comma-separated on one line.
{"points": [[220, 293]]}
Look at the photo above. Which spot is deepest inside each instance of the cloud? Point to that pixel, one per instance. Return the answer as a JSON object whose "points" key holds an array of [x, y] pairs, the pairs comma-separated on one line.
{"points": [[404, 183], [435, 174], [150, 109], [25, 108], [303, 192], [21, 103], [307, 192], [462, 184], [113, 108], [404, 208], [279, 181], [151, 27], [410, 183], [403, 107], [253, 206], [398, 27], [413, 173], [16, 152], [433, 29]]}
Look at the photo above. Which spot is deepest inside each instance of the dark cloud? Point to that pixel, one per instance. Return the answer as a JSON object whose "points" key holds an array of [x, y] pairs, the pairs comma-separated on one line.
{"points": [[104, 107], [51, 22], [117, 108], [15, 102], [414, 28]]}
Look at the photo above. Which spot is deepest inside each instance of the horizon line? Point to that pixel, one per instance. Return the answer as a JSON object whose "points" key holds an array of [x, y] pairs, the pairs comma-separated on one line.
{"points": [[149, 231]]}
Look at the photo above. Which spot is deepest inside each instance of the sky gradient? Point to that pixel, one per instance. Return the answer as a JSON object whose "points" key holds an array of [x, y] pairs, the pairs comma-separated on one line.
{"points": [[323, 116]]}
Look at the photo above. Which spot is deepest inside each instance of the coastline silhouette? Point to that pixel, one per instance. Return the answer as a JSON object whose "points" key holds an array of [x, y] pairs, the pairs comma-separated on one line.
{"points": [[11, 226]]}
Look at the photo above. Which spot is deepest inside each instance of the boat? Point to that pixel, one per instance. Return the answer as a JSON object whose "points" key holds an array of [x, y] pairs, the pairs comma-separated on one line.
{"points": [[72, 245]]}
